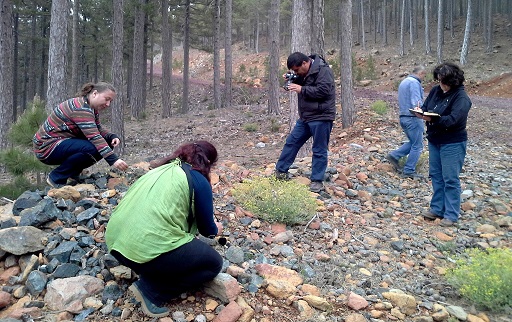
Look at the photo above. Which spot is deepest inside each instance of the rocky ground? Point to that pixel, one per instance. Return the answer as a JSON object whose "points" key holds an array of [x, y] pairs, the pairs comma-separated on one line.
{"points": [[366, 256]]}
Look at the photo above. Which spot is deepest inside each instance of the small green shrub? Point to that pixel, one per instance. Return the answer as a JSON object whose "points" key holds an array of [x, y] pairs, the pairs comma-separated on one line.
{"points": [[251, 127], [370, 68], [241, 69], [380, 107], [14, 189], [484, 277], [274, 126], [273, 200], [335, 66], [421, 165]]}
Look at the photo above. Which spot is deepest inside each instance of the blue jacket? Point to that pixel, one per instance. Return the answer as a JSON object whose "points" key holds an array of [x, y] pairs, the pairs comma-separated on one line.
{"points": [[410, 94], [317, 99], [453, 106]]}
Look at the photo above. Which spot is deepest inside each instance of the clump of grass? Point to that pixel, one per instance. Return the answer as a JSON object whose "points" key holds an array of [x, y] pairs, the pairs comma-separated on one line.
{"points": [[274, 126], [251, 127], [484, 277], [380, 107], [421, 165], [287, 202]]}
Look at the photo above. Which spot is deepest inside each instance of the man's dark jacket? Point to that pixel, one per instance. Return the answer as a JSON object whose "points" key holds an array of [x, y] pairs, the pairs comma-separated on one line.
{"points": [[317, 97]]}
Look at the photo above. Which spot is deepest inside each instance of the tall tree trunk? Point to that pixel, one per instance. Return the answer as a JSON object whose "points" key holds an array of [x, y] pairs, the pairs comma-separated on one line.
{"points": [[32, 72], [317, 39], [273, 96], [6, 71], [402, 29], [228, 57], [384, 23], [426, 13], [489, 27], [363, 35], [138, 65], [186, 58], [301, 41], [348, 109], [440, 31], [75, 70], [216, 56], [166, 61], [467, 35], [411, 23], [117, 106], [57, 63], [15, 69]]}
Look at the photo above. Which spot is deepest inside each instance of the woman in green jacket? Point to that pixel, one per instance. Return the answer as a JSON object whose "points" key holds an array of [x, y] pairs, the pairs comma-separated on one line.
{"points": [[152, 230]]}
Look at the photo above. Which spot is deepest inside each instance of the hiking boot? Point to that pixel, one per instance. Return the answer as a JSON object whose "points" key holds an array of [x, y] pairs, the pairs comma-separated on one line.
{"points": [[148, 307], [52, 184], [446, 223], [281, 175], [316, 186], [394, 162], [412, 175], [431, 216]]}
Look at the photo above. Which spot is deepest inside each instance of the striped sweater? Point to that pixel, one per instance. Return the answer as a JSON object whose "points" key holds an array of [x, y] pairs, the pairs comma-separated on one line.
{"points": [[73, 118]]}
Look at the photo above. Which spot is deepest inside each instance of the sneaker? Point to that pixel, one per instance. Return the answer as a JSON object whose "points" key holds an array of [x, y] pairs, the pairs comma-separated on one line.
{"points": [[52, 184], [316, 186], [431, 216], [446, 223], [412, 175], [281, 175], [394, 162], [148, 307]]}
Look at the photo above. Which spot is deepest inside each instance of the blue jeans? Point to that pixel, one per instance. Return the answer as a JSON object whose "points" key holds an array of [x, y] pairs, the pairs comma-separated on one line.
{"points": [[177, 271], [445, 162], [321, 132], [413, 129], [72, 156]]}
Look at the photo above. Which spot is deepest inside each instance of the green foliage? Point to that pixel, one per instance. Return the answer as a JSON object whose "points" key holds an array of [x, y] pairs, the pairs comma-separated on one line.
{"points": [[177, 64], [273, 200], [241, 68], [19, 159], [14, 189], [335, 66], [251, 127], [380, 107], [23, 130], [274, 126], [370, 68], [359, 74], [484, 277], [422, 162], [19, 162]]}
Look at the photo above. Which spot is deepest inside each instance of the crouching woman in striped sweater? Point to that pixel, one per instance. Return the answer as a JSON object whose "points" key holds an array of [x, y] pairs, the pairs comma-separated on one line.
{"points": [[73, 138]]}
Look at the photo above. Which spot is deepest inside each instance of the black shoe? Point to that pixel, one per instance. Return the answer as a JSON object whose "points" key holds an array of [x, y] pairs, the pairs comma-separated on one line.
{"points": [[281, 175], [316, 186], [148, 307], [52, 184], [412, 175], [431, 216], [394, 162]]}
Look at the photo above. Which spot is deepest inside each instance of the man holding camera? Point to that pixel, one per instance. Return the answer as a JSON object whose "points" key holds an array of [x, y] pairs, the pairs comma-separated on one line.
{"points": [[315, 88]]}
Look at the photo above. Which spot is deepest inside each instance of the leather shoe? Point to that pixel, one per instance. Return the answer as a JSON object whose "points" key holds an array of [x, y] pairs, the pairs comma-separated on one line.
{"points": [[431, 216], [394, 162], [316, 186], [412, 175], [446, 223], [148, 307], [281, 175]]}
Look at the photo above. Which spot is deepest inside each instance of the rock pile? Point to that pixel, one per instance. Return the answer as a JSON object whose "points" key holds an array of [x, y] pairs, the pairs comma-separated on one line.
{"points": [[367, 255]]}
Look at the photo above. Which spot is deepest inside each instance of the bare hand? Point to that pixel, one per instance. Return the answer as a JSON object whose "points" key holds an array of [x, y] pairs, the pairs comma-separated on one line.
{"points": [[294, 88], [121, 165], [115, 142]]}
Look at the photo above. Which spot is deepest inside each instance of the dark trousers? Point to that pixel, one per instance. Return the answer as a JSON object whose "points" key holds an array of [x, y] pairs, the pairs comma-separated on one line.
{"points": [[72, 156], [321, 132], [170, 274]]}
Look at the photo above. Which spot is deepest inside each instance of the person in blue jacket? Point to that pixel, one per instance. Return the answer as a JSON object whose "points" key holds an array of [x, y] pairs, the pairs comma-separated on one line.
{"points": [[447, 141]]}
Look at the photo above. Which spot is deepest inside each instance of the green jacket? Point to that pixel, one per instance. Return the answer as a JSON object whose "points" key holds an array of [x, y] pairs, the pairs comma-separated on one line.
{"points": [[151, 219]]}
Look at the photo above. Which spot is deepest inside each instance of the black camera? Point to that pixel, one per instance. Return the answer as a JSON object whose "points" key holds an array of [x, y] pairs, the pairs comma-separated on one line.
{"points": [[290, 78]]}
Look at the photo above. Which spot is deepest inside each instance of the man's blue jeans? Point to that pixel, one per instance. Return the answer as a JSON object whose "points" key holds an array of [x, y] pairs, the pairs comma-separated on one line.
{"points": [[72, 156], [321, 132], [445, 161], [413, 129]]}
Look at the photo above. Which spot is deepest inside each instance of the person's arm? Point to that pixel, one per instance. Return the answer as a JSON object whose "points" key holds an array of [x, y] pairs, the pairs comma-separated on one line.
{"points": [[458, 113], [322, 88], [203, 205], [416, 95]]}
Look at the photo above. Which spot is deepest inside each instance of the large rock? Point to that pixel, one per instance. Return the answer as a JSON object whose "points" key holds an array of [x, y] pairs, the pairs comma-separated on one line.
{"points": [[68, 294], [21, 240]]}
